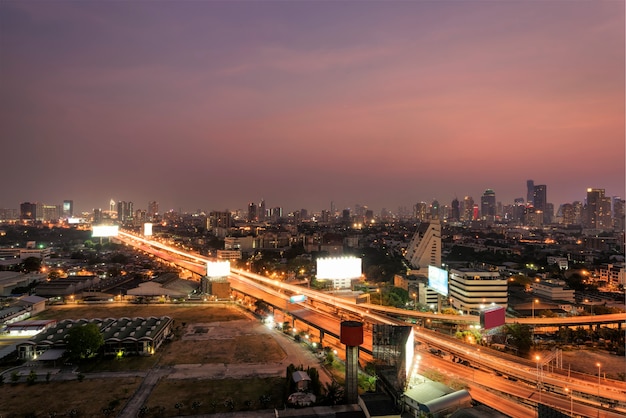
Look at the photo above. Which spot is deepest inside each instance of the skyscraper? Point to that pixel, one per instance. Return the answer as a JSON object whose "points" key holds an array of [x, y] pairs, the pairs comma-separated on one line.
{"points": [[262, 212], [540, 201], [468, 208], [124, 211], [456, 213], [530, 191], [252, 215], [153, 209], [488, 206]]}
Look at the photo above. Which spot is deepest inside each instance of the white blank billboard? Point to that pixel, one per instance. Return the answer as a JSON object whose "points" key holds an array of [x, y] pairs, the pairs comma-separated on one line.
{"points": [[147, 229], [438, 280], [218, 268], [338, 268], [104, 230]]}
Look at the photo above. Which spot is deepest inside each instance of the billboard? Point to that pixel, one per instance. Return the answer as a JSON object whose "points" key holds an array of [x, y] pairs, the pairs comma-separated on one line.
{"points": [[438, 280], [393, 345], [147, 229], [218, 268], [492, 317], [297, 298], [104, 231], [338, 268]]}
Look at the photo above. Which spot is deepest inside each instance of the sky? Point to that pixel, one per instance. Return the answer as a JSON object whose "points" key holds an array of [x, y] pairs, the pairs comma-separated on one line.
{"points": [[211, 105]]}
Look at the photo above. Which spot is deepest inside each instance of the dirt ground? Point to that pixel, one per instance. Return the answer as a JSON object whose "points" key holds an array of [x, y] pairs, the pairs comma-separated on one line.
{"points": [[585, 361]]}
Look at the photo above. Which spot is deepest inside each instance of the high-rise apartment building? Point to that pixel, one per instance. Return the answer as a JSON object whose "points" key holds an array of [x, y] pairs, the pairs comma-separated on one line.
{"points": [[28, 211], [598, 210], [153, 209], [420, 211], [540, 201], [468, 209], [435, 210], [124, 211], [220, 220], [618, 213], [277, 213], [97, 216], [488, 206]]}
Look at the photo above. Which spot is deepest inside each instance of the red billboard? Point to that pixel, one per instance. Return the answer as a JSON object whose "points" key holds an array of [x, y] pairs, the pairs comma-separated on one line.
{"points": [[492, 317]]}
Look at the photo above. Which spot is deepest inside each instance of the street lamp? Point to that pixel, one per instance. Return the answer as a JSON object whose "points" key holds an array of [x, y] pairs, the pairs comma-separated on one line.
{"points": [[571, 402], [380, 299], [598, 364], [537, 358], [414, 301], [534, 301]]}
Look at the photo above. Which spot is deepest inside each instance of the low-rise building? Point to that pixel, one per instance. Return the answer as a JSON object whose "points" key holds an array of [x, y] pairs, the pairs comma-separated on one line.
{"points": [[136, 336], [554, 290]]}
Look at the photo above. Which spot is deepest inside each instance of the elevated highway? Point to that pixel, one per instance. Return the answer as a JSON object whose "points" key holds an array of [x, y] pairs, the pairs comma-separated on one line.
{"points": [[609, 402]]}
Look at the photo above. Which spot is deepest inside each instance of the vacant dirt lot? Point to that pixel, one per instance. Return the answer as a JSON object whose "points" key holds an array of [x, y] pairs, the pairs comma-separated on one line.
{"points": [[88, 398], [205, 334]]}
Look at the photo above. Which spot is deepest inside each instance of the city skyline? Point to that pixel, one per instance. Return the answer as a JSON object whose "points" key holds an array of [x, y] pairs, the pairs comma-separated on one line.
{"points": [[210, 105]]}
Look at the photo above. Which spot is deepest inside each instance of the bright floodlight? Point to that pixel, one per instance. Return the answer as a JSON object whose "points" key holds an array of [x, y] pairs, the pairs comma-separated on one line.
{"points": [[147, 229], [338, 268], [104, 231], [218, 268]]}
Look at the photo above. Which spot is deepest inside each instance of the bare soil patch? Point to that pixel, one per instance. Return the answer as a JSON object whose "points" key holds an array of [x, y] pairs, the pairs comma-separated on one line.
{"points": [[585, 361], [214, 396], [258, 348], [88, 398]]}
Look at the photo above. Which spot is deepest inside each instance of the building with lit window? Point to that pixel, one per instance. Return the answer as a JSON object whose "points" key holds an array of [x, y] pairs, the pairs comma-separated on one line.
{"points": [[425, 247], [471, 290]]}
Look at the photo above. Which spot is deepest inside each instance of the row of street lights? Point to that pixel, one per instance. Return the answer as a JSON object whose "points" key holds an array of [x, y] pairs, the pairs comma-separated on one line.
{"points": [[567, 390]]}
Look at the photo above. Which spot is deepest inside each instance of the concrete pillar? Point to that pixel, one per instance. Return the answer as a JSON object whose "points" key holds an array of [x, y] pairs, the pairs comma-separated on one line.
{"points": [[352, 375]]}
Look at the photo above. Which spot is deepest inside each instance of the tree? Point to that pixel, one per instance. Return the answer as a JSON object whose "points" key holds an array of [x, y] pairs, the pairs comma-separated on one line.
{"points": [[32, 377], [31, 264], [520, 337], [84, 341]]}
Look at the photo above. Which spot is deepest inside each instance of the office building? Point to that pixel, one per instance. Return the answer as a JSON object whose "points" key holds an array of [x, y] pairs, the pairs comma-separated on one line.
{"points": [[474, 289]]}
